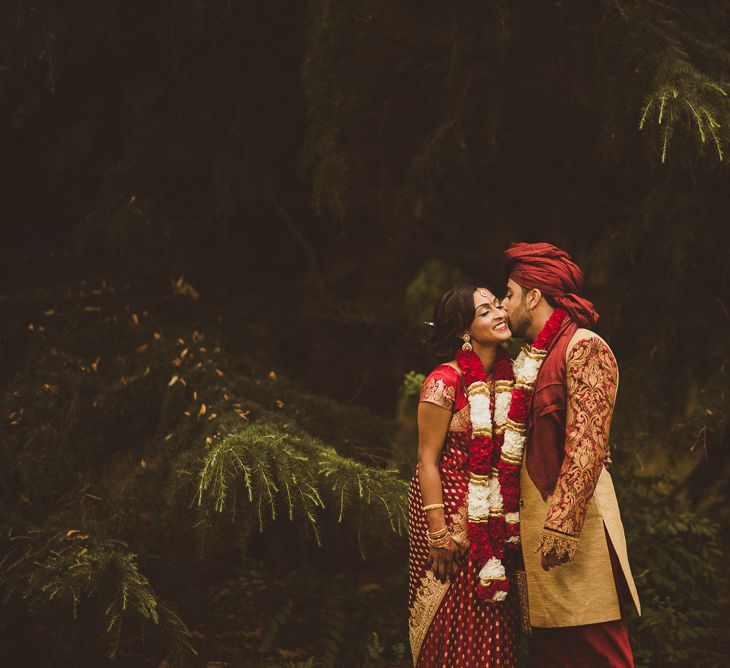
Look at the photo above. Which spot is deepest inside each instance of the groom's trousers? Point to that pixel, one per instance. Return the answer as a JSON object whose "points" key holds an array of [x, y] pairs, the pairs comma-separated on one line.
{"points": [[604, 645]]}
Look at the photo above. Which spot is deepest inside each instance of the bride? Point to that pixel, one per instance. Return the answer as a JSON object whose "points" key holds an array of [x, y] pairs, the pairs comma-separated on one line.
{"points": [[463, 520]]}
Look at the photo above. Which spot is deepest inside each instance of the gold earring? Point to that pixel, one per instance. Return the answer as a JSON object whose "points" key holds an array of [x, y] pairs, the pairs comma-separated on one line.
{"points": [[466, 338]]}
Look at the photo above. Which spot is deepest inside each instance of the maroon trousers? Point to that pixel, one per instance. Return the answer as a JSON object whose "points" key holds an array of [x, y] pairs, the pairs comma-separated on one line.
{"points": [[604, 645]]}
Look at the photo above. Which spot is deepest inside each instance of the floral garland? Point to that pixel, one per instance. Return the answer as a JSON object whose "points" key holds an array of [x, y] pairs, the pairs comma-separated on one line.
{"points": [[499, 429]]}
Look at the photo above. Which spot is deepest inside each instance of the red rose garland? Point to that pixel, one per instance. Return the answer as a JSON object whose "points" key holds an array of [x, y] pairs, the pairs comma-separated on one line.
{"points": [[499, 425]]}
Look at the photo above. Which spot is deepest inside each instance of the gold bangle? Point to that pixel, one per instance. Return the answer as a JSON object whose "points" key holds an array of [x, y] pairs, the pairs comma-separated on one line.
{"points": [[441, 542], [438, 534], [433, 506]]}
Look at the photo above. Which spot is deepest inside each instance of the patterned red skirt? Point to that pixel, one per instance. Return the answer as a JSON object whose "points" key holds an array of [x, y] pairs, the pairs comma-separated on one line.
{"points": [[448, 624]]}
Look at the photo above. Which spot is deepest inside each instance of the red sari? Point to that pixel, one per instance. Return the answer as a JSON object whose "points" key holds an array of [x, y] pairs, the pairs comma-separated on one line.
{"points": [[448, 625]]}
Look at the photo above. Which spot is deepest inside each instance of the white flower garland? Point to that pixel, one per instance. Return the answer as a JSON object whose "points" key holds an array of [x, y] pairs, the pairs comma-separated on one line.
{"points": [[484, 494]]}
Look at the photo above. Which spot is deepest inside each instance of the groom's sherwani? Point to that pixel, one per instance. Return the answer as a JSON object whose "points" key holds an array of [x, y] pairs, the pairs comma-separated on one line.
{"points": [[567, 496]]}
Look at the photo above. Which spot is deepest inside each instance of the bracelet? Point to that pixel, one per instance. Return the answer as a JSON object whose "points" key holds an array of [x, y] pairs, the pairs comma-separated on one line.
{"points": [[441, 542], [438, 534], [433, 506]]}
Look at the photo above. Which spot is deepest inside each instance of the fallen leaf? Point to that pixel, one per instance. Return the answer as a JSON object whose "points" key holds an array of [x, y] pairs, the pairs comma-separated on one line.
{"points": [[202, 410], [241, 413], [272, 375], [279, 403], [173, 380], [219, 373], [370, 587], [291, 653], [143, 463]]}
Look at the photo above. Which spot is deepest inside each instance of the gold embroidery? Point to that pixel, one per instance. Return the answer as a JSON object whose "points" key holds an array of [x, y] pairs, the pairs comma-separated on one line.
{"points": [[428, 598], [436, 391], [592, 378], [520, 577], [431, 592], [561, 545], [461, 420], [459, 521]]}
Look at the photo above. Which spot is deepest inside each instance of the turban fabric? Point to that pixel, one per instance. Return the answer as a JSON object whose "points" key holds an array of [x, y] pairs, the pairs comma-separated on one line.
{"points": [[550, 270]]}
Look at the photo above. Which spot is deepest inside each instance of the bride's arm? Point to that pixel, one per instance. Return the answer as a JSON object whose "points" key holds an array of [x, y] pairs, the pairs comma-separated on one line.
{"points": [[433, 423]]}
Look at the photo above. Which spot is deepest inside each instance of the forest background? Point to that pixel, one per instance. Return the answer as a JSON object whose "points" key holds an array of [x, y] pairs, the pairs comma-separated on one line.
{"points": [[223, 227]]}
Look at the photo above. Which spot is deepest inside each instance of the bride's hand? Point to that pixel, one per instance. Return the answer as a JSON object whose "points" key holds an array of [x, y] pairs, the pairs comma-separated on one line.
{"points": [[444, 561]]}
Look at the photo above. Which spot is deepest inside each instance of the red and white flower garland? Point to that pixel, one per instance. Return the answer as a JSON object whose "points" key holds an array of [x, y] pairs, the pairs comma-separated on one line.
{"points": [[499, 427]]}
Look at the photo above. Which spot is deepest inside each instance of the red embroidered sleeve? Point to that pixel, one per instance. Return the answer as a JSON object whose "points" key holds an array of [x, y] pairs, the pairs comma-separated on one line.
{"points": [[440, 387], [592, 378]]}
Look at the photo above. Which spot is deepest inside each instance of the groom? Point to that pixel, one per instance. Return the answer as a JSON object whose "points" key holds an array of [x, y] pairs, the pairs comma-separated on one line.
{"points": [[578, 573]]}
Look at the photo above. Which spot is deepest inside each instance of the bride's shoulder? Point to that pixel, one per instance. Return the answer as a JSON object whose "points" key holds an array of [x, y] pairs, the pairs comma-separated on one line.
{"points": [[448, 371], [440, 385]]}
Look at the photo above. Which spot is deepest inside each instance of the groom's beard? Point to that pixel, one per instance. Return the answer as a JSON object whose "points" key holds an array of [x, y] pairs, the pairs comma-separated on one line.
{"points": [[519, 323]]}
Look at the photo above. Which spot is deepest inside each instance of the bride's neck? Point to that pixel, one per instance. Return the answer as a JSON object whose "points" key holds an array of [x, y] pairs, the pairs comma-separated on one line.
{"points": [[487, 355]]}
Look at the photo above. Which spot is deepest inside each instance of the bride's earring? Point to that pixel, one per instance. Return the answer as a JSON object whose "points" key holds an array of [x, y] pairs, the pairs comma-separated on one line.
{"points": [[466, 339]]}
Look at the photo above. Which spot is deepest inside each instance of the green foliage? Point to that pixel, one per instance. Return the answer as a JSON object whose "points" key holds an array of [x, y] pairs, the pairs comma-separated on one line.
{"points": [[679, 568], [275, 468], [334, 619], [412, 383], [114, 409], [422, 293], [682, 93], [58, 574]]}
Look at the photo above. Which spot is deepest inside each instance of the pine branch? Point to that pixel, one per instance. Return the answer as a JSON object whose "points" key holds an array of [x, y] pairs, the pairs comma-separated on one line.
{"points": [[67, 569], [680, 90], [300, 473]]}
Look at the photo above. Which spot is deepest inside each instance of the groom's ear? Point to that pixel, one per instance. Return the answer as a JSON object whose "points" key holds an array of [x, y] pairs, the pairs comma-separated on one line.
{"points": [[534, 297]]}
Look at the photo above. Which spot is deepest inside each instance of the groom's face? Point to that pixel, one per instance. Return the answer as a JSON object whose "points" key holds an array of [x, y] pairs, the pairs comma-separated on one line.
{"points": [[519, 316]]}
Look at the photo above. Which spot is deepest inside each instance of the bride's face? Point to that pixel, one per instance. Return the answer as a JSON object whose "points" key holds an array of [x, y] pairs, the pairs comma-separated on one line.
{"points": [[490, 320]]}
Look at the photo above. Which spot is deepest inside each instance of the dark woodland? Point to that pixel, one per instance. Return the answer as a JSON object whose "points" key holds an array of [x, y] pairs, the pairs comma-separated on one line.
{"points": [[223, 227]]}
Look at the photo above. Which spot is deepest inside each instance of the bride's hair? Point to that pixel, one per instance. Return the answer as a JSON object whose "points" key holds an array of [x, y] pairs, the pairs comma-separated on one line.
{"points": [[452, 315]]}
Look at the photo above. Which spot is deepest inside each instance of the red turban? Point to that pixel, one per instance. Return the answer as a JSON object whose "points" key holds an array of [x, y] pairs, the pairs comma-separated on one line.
{"points": [[550, 270]]}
